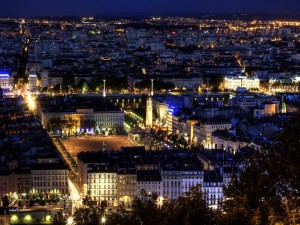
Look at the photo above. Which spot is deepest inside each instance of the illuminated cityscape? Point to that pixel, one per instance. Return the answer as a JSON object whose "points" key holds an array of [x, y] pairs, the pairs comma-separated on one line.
{"points": [[164, 119]]}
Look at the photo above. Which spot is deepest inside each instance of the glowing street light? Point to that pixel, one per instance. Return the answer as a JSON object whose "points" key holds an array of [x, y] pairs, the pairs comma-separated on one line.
{"points": [[103, 220], [70, 221]]}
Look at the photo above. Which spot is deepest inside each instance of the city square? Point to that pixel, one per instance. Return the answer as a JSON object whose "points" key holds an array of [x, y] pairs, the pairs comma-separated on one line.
{"points": [[76, 144]]}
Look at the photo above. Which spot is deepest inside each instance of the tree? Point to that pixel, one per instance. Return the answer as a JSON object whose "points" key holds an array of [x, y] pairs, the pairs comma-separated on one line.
{"points": [[96, 83], [88, 216], [31, 202], [117, 83], [68, 82], [147, 211], [5, 201], [58, 218], [190, 209], [42, 202], [268, 189], [121, 216]]}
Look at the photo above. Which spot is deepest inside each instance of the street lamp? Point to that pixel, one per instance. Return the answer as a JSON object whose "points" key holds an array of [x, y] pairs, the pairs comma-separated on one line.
{"points": [[103, 220], [70, 221]]}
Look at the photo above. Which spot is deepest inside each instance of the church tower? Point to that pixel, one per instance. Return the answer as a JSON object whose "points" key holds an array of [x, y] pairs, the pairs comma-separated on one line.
{"points": [[149, 113], [149, 108]]}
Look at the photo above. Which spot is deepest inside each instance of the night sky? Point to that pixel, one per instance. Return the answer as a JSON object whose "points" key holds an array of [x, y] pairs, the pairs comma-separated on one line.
{"points": [[22, 8]]}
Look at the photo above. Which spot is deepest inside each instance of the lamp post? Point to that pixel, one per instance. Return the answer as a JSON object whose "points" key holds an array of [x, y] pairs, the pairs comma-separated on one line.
{"points": [[152, 91], [104, 89], [103, 220], [70, 221]]}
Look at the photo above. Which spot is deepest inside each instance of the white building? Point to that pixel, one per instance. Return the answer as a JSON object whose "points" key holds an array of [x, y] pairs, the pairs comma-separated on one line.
{"points": [[45, 79], [178, 182], [49, 179], [232, 83], [5, 81], [149, 182], [90, 115], [149, 113], [102, 185], [32, 81], [203, 131], [213, 189]]}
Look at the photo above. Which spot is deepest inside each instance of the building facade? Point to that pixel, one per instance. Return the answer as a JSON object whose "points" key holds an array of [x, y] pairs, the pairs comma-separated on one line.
{"points": [[49, 179]]}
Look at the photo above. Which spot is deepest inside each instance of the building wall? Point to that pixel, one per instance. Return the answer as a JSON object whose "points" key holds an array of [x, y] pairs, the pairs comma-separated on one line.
{"points": [[49, 181], [127, 188], [203, 131], [22, 184], [149, 113], [149, 188], [5, 81], [213, 194], [6, 183], [176, 183], [102, 186], [232, 83], [101, 120]]}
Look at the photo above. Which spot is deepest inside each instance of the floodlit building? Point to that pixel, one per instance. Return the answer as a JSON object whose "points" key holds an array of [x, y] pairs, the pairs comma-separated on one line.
{"points": [[127, 186], [5, 81], [32, 81], [102, 184], [149, 113], [87, 115], [232, 83], [203, 131], [49, 179]]}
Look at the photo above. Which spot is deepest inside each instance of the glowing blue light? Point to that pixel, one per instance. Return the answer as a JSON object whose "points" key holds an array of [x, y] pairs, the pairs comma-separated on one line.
{"points": [[4, 76]]}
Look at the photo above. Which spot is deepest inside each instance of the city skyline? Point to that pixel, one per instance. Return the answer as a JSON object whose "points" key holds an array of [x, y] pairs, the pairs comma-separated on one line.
{"points": [[17, 8]]}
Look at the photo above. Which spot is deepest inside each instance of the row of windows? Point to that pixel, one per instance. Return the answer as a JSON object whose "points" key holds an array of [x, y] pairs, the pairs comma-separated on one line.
{"points": [[42, 184], [179, 178], [214, 190], [102, 192], [52, 172], [103, 187], [122, 187], [50, 178], [62, 191], [96, 181], [103, 176], [127, 182], [127, 193]]}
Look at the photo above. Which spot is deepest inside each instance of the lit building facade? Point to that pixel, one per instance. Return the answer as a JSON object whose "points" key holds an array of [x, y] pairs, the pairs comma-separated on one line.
{"points": [[22, 182], [102, 185], [232, 83], [149, 182], [32, 81], [5, 81], [49, 179], [127, 187], [149, 113], [178, 182], [203, 131], [213, 191]]}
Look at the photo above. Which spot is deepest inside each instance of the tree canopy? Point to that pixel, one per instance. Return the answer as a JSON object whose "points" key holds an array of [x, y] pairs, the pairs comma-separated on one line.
{"points": [[268, 188]]}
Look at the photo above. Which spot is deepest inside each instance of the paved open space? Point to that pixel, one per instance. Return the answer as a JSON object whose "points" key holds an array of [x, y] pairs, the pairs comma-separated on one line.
{"points": [[76, 144]]}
